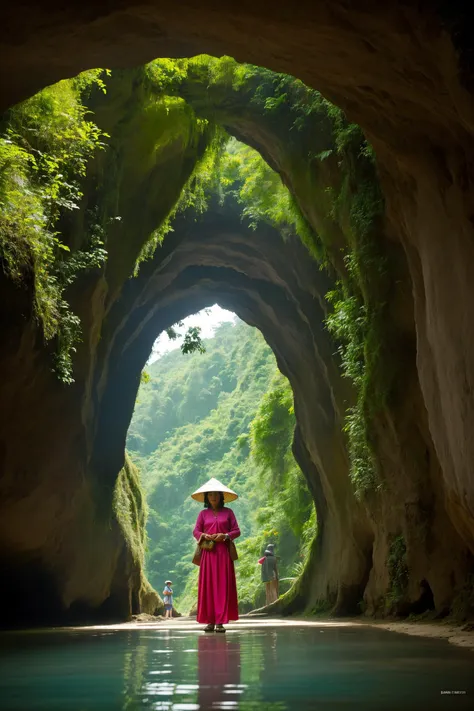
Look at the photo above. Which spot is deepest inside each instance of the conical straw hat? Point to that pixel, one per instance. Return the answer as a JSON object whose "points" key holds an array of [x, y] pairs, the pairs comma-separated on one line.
{"points": [[214, 485]]}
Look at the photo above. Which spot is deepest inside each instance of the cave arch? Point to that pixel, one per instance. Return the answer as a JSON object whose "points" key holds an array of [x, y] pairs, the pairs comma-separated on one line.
{"points": [[270, 284], [402, 71], [395, 70], [57, 525]]}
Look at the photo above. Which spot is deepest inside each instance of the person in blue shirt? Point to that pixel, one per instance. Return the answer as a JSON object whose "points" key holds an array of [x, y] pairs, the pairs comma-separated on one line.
{"points": [[168, 598]]}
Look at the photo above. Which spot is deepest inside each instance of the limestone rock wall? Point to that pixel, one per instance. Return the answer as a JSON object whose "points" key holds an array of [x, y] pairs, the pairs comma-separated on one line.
{"points": [[63, 553], [397, 73], [63, 550], [408, 504]]}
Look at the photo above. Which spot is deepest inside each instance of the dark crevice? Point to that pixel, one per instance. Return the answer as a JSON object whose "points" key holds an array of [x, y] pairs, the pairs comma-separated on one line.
{"points": [[425, 602]]}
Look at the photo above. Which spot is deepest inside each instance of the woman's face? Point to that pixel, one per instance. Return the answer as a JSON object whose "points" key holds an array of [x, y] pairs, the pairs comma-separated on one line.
{"points": [[214, 499]]}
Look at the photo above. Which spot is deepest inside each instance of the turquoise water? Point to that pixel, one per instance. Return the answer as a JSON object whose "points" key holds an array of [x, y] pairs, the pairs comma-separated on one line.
{"points": [[265, 668]]}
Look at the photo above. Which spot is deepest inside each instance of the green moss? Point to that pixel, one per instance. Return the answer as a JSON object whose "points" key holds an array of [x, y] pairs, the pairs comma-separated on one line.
{"points": [[130, 509], [63, 213], [360, 301], [334, 203], [201, 182], [397, 570], [153, 170], [45, 145]]}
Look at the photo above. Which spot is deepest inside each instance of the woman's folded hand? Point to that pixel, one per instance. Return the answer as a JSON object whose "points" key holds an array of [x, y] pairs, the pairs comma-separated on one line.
{"points": [[219, 537]]}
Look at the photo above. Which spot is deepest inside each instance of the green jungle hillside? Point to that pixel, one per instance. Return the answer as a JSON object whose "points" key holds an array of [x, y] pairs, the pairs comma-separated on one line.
{"points": [[226, 413]]}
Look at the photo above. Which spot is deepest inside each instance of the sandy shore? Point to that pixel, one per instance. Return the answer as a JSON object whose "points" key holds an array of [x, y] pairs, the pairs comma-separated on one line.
{"points": [[461, 635]]}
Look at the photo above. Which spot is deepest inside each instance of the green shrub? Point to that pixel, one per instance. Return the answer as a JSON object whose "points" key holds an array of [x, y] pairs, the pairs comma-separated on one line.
{"points": [[397, 570], [46, 144]]}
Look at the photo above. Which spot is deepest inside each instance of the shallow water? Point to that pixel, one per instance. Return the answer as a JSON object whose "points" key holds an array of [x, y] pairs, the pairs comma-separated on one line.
{"points": [[270, 668]]}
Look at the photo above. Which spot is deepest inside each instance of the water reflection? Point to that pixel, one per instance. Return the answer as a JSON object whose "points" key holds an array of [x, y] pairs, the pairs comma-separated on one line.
{"points": [[219, 672], [134, 670], [171, 681], [247, 669]]}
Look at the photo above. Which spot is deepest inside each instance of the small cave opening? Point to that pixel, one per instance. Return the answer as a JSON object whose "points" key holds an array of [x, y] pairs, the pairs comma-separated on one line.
{"points": [[29, 594], [425, 602]]}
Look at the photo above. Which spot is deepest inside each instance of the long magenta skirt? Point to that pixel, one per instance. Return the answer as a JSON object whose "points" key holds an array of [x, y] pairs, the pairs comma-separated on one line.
{"points": [[217, 589]]}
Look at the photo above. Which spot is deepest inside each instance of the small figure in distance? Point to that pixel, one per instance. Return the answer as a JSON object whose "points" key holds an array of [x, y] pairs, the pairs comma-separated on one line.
{"points": [[270, 574], [168, 599]]}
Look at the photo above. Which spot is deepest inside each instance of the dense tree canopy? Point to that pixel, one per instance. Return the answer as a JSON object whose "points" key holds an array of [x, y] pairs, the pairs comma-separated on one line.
{"points": [[227, 413]]}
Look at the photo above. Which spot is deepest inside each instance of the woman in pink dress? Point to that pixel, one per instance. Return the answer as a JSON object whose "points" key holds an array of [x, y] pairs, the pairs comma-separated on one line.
{"points": [[217, 589]]}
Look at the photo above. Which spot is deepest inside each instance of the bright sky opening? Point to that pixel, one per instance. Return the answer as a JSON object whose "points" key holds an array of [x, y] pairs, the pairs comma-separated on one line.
{"points": [[207, 320]]}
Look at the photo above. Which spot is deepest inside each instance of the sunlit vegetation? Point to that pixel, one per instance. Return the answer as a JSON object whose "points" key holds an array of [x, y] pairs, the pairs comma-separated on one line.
{"points": [[130, 508], [130, 511], [227, 414], [46, 144]]}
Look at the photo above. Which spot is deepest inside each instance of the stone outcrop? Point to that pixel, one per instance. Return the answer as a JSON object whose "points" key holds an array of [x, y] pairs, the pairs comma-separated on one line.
{"points": [[62, 548], [396, 72], [412, 528]]}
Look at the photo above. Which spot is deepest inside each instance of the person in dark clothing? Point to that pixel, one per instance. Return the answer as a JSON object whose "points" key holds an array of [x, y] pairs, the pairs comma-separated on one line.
{"points": [[270, 574]]}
